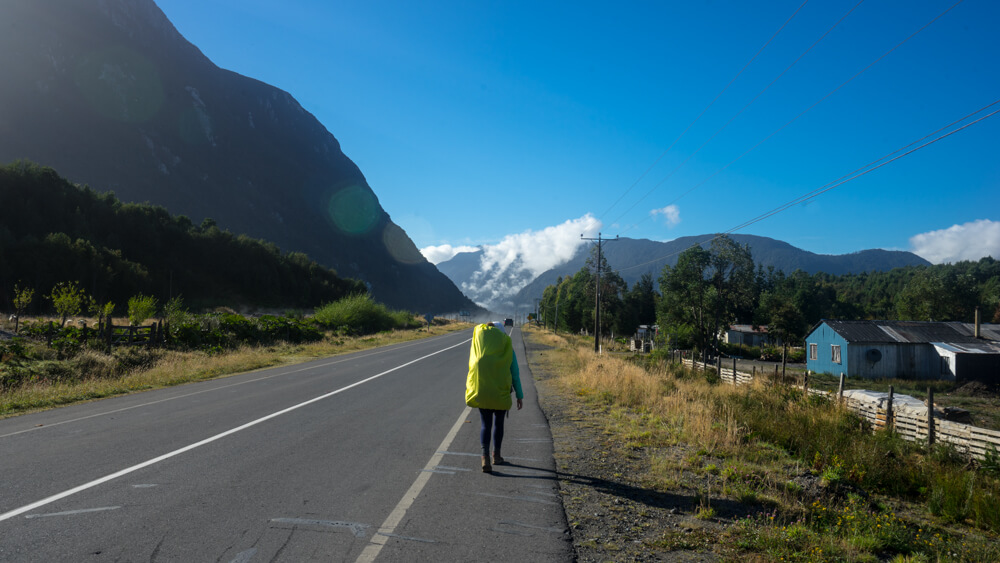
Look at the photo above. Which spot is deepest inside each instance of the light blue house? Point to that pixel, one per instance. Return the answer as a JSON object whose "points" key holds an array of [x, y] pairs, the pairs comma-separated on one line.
{"points": [[905, 350]]}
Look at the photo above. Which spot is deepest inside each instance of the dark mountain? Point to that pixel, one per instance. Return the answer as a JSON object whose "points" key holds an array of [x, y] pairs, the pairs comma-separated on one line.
{"points": [[110, 95], [634, 257]]}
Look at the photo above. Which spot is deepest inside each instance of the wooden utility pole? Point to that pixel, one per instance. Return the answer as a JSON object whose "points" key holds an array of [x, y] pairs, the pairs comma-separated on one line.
{"points": [[597, 292]]}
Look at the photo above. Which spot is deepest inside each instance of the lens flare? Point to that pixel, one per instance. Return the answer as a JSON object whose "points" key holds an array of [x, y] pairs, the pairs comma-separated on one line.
{"points": [[353, 210], [120, 84]]}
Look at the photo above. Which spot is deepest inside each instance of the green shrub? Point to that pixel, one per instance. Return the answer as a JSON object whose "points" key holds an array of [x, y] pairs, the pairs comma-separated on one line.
{"points": [[360, 314], [141, 308]]}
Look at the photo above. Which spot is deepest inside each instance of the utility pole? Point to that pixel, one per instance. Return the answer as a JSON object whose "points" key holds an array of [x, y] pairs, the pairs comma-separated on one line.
{"points": [[597, 292]]}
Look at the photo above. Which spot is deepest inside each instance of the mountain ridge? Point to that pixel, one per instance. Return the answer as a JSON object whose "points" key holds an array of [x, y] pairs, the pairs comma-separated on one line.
{"points": [[634, 257], [109, 94]]}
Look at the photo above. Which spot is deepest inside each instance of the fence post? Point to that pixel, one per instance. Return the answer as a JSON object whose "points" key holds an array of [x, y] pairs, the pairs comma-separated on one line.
{"points": [[776, 374], [805, 384], [888, 410], [840, 390], [784, 355], [734, 372], [718, 366], [930, 416]]}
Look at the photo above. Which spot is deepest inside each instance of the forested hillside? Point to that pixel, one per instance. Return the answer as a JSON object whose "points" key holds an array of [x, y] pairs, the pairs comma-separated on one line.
{"points": [[52, 231], [707, 289], [111, 95]]}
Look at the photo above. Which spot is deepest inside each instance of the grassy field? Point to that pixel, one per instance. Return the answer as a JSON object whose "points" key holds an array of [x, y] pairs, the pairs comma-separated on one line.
{"points": [[146, 368], [809, 481]]}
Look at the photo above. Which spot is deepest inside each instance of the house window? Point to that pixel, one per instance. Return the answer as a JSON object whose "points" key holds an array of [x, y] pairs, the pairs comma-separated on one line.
{"points": [[835, 353], [813, 352]]}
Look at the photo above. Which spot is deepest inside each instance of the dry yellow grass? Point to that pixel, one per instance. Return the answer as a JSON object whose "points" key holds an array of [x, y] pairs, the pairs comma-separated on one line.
{"points": [[655, 406]]}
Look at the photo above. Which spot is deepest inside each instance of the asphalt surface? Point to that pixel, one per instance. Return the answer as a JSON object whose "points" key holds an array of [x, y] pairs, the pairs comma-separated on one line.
{"points": [[371, 456]]}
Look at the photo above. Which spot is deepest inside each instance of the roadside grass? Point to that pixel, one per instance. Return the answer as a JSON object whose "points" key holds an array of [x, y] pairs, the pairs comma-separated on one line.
{"points": [[814, 482], [93, 374]]}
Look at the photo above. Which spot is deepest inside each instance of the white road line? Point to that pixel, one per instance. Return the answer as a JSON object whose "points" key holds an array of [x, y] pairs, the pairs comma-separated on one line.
{"points": [[155, 460], [385, 531], [73, 512], [339, 360]]}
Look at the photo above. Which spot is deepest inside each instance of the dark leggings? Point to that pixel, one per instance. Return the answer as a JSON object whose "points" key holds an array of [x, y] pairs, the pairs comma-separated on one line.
{"points": [[492, 420]]}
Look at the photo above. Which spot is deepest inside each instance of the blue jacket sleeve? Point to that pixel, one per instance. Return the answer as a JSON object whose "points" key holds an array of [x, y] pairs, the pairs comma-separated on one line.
{"points": [[515, 376]]}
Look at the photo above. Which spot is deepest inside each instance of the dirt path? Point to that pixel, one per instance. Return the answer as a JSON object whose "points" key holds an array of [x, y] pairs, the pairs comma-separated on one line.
{"points": [[613, 514]]}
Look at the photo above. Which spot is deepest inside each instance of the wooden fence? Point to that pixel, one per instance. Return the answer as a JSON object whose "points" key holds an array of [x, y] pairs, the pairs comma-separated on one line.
{"points": [[908, 416], [133, 335], [115, 335]]}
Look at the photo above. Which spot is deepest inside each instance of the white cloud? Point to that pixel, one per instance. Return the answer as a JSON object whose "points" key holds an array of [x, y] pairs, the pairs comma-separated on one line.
{"points": [[543, 250], [515, 261], [671, 215], [970, 241], [444, 252]]}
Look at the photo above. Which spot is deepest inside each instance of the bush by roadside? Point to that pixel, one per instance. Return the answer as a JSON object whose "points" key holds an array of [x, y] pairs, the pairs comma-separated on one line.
{"points": [[48, 365]]}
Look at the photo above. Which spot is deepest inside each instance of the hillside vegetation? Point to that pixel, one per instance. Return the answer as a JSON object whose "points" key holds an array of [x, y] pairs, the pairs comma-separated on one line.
{"points": [[711, 288], [52, 231]]}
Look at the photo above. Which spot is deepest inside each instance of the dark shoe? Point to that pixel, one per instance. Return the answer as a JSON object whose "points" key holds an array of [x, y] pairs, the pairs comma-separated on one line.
{"points": [[497, 460], [486, 465]]}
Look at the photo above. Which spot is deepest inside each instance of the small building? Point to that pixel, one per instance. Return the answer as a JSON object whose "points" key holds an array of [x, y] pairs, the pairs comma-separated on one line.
{"points": [[748, 335], [905, 350]]}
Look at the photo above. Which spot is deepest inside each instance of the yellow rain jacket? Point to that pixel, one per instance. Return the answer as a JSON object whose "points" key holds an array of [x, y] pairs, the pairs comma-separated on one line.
{"points": [[489, 383]]}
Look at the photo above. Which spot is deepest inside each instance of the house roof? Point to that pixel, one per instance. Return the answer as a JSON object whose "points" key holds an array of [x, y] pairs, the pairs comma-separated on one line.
{"points": [[912, 332], [748, 329], [978, 347]]}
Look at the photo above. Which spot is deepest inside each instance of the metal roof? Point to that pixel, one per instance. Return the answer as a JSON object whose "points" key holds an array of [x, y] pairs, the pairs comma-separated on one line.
{"points": [[978, 347], [912, 332]]}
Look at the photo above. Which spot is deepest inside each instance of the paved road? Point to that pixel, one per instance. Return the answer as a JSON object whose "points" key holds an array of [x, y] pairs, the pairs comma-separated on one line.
{"points": [[369, 456]]}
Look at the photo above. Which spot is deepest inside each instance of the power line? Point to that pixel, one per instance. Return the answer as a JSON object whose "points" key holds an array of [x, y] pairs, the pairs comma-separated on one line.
{"points": [[803, 112], [857, 173], [710, 104]]}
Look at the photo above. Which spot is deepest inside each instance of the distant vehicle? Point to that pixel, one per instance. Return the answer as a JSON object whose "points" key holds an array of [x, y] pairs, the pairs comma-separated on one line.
{"points": [[508, 322]]}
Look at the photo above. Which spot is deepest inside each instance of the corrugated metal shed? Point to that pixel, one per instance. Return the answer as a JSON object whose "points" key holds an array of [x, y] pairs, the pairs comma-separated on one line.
{"points": [[912, 332]]}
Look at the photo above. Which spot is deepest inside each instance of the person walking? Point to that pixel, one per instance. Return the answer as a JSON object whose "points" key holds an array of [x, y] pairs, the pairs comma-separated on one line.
{"points": [[493, 373]]}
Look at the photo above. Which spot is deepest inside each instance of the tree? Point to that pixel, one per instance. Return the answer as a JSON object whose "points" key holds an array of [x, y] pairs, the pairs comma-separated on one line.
{"points": [[687, 297], [707, 290], [638, 306], [785, 319], [734, 281], [140, 308], [68, 300], [102, 311], [936, 294], [22, 298], [611, 288]]}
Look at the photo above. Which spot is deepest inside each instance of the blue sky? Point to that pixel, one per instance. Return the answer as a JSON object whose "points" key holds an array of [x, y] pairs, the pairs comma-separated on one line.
{"points": [[526, 123]]}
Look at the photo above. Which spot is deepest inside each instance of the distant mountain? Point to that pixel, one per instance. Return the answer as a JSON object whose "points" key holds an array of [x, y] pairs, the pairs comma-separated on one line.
{"points": [[109, 94], [633, 257]]}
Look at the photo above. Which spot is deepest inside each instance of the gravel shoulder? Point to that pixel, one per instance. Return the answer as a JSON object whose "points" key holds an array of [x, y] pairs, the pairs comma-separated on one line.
{"points": [[614, 515]]}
